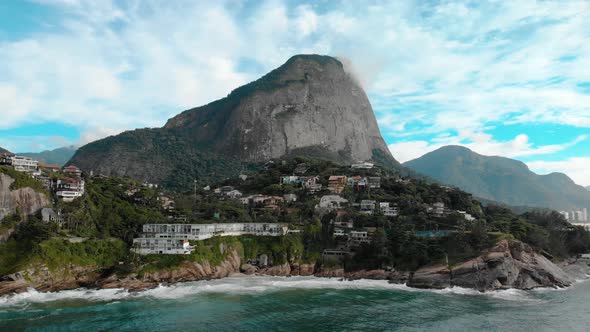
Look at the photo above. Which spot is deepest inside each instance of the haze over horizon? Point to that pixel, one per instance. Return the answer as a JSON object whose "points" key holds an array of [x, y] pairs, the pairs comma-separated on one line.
{"points": [[509, 79]]}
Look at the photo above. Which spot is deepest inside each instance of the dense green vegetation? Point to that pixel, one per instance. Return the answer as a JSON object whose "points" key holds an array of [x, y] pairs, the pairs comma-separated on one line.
{"points": [[59, 252], [106, 211], [108, 219], [39, 242]]}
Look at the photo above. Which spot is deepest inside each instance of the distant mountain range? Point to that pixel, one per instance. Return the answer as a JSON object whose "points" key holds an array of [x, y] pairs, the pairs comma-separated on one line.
{"points": [[588, 187], [501, 179], [59, 156], [310, 106], [2, 150]]}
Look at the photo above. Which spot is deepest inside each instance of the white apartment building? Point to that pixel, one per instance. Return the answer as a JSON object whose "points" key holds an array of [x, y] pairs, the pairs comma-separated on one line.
{"points": [[146, 246], [155, 236], [20, 163]]}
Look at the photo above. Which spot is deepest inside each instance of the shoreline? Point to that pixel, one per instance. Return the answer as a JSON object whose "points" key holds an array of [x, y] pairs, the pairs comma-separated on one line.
{"points": [[578, 270], [508, 265], [240, 283]]}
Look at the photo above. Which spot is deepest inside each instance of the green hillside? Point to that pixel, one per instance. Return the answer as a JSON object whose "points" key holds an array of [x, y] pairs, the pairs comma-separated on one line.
{"points": [[501, 179], [59, 156]]}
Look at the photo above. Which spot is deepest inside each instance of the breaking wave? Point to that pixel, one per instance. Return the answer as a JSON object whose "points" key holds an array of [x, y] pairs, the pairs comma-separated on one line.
{"points": [[243, 285]]}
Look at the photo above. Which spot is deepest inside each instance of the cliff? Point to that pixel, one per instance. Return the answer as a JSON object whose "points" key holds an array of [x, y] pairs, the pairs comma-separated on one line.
{"points": [[24, 200], [510, 264], [310, 106]]}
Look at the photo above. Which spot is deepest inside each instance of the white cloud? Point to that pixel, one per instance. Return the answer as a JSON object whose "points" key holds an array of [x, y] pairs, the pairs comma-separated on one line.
{"points": [[428, 68], [481, 143], [576, 168]]}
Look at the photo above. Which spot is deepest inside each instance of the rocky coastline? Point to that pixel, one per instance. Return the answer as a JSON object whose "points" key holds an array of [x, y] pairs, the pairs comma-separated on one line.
{"points": [[508, 265]]}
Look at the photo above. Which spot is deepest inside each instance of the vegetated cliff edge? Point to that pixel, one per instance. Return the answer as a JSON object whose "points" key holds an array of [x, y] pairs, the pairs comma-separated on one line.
{"points": [[501, 179], [510, 264], [310, 106]]}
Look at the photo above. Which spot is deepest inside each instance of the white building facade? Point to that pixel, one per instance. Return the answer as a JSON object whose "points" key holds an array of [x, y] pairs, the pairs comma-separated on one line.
{"points": [[169, 238]]}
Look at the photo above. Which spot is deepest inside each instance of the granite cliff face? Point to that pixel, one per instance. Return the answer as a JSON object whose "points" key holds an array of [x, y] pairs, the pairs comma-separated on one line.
{"points": [[26, 200], [508, 265], [310, 106], [310, 102]]}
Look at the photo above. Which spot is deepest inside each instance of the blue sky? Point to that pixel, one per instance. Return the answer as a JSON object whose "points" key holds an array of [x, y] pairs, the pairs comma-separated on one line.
{"points": [[509, 78]]}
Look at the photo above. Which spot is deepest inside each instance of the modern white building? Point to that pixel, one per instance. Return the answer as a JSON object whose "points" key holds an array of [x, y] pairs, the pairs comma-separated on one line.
{"points": [[367, 206], [389, 209], [20, 163], [155, 236], [359, 237], [576, 215], [146, 246], [363, 165], [466, 215]]}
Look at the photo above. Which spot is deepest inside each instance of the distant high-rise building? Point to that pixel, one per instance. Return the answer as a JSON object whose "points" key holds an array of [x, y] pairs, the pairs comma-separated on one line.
{"points": [[585, 213], [565, 214]]}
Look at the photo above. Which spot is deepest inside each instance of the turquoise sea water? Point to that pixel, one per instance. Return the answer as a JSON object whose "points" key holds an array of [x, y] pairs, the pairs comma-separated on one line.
{"points": [[297, 304]]}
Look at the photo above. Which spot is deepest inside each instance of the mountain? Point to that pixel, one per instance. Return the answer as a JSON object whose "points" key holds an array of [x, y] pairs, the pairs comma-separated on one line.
{"points": [[587, 187], [58, 156], [2, 150], [310, 106], [500, 179]]}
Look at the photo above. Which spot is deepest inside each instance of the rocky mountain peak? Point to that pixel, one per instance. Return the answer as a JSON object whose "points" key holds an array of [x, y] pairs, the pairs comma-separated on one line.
{"points": [[310, 106]]}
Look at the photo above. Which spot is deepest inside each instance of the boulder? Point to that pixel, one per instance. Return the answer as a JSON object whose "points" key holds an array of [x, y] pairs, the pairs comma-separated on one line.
{"points": [[437, 277], [510, 264], [248, 269]]}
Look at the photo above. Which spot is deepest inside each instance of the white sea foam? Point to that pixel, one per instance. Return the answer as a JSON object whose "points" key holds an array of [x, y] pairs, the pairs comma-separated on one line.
{"points": [[33, 296], [243, 285]]}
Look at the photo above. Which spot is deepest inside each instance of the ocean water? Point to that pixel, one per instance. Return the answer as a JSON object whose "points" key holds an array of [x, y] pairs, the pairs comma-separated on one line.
{"points": [[297, 304]]}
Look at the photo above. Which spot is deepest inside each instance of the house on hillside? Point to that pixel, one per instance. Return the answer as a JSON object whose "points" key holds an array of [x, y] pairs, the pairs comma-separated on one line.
{"points": [[332, 202], [374, 182], [367, 206], [49, 215], [358, 237], [233, 194], [337, 183], [290, 179], [389, 209], [290, 198], [19, 163], [72, 171], [466, 215], [69, 189], [437, 209], [363, 165], [307, 181], [357, 182], [49, 167], [167, 203], [344, 224]]}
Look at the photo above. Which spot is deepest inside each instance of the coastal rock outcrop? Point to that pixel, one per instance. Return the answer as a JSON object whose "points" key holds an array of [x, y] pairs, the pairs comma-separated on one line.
{"points": [[26, 200], [510, 264]]}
